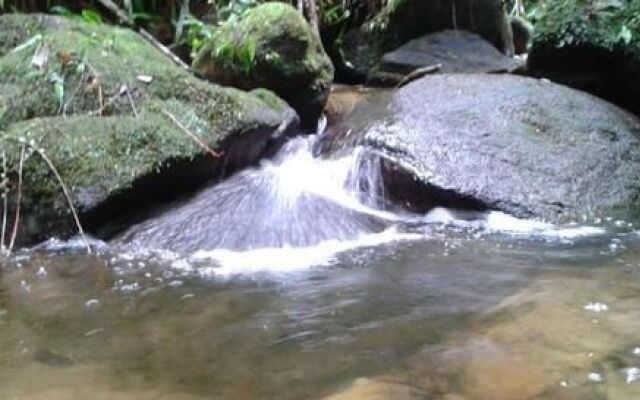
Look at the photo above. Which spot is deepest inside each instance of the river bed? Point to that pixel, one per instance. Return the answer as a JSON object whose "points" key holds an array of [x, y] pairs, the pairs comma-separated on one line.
{"points": [[446, 313]]}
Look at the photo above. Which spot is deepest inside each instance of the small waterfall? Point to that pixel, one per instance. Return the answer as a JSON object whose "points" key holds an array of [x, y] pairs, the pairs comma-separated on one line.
{"points": [[292, 200], [296, 210]]}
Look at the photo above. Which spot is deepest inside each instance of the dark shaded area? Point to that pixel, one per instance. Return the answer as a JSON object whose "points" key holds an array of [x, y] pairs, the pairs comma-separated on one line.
{"points": [[455, 51], [612, 75], [402, 187]]}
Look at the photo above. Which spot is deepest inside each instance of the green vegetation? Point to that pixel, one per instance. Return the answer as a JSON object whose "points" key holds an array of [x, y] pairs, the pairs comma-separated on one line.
{"points": [[612, 25], [94, 98]]}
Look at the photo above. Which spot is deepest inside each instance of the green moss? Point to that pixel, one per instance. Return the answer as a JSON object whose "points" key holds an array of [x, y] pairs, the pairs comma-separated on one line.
{"points": [[270, 98], [115, 130], [285, 47], [95, 63], [611, 25], [284, 44]]}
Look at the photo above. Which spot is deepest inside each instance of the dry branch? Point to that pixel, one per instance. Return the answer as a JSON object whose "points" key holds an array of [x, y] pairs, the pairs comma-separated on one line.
{"points": [[5, 207], [418, 73], [67, 195], [192, 135], [16, 219]]}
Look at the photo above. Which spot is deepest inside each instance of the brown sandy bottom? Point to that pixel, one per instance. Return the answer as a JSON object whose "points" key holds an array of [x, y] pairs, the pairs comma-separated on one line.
{"points": [[560, 338]]}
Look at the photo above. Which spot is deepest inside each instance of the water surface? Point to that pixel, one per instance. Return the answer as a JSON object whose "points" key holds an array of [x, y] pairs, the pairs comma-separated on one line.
{"points": [[455, 313]]}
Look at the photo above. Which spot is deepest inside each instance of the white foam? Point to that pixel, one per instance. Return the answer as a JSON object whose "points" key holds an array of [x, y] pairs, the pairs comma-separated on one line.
{"points": [[499, 222], [288, 259], [300, 172]]}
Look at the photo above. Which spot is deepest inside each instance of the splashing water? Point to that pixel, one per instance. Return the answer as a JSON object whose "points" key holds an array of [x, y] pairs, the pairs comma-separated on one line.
{"points": [[294, 200], [297, 210]]}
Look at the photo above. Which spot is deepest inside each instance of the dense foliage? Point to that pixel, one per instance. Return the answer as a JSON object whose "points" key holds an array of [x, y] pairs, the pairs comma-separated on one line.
{"points": [[612, 24], [190, 24]]}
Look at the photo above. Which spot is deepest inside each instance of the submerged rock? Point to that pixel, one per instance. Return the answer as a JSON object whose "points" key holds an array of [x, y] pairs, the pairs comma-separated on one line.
{"points": [[271, 46], [590, 45], [111, 113], [524, 146], [380, 389]]}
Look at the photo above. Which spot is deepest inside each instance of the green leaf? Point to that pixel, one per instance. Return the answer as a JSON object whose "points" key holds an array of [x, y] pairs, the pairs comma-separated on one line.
{"points": [[91, 17], [61, 10], [625, 34], [58, 89], [143, 16]]}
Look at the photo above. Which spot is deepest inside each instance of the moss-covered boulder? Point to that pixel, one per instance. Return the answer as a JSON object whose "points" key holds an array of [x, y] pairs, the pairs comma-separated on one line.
{"points": [[271, 46], [592, 45], [117, 119]]}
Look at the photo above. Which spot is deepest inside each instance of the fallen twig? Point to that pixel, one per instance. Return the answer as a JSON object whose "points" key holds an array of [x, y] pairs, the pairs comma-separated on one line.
{"points": [[418, 73], [133, 105], [192, 135], [118, 12], [164, 49], [16, 219], [67, 196], [96, 77], [73, 94], [5, 206]]}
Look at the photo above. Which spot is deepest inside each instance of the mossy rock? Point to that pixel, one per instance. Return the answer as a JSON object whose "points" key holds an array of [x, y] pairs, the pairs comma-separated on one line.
{"points": [[271, 46], [592, 45], [110, 131]]}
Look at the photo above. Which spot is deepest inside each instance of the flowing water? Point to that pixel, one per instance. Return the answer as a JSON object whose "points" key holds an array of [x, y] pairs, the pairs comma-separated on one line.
{"points": [[294, 280]]}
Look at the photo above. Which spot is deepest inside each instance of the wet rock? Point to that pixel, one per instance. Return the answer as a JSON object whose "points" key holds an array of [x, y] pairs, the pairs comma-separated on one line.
{"points": [[591, 45], [271, 46], [379, 389], [404, 20], [522, 34], [343, 99], [52, 358], [110, 111], [527, 147], [455, 51]]}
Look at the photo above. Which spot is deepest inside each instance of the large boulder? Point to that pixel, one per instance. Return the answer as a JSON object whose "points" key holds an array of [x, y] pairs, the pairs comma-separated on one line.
{"points": [[271, 46], [452, 51], [591, 45], [524, 146], [406, 19], [403, 20], [117, 119]]}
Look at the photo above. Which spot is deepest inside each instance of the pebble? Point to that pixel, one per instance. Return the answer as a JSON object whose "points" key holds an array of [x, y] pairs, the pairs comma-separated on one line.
{"points": [[595, 377], [632, 375], [92, 303], [596, 307]]}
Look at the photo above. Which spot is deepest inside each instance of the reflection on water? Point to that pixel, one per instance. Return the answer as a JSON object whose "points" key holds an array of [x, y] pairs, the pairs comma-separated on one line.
{"points": [[445, 317]]}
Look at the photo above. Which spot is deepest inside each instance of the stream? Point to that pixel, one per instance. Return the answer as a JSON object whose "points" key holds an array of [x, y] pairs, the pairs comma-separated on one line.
{"points": [[295, 280]]}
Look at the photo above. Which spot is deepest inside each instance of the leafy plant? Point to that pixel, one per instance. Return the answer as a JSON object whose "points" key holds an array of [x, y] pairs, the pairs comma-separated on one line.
{"points": [[607, 24], [242, 56], [88, 16]]}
